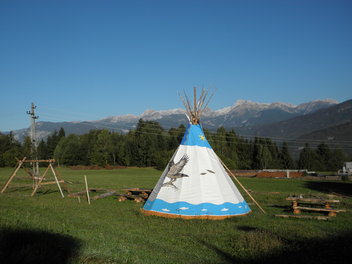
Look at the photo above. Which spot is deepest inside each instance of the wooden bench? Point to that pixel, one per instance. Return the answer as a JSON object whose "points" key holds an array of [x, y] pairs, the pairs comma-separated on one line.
{"points": [[326, 203], [330, 211]]}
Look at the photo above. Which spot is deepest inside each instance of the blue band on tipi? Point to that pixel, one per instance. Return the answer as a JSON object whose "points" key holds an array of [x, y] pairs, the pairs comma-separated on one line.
{"points": [[194, 136], [184, 208]]}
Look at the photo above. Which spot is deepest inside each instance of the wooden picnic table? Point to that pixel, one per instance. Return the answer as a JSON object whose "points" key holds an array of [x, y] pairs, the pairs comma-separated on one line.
{"points": [[312, 204]]}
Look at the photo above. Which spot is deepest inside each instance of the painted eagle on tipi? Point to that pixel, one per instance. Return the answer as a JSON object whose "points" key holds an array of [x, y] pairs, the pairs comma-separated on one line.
{"points": [[174, 170]]}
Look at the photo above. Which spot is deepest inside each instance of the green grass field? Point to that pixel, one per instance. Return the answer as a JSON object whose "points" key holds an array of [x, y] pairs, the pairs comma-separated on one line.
{"points": [[48, 229]]}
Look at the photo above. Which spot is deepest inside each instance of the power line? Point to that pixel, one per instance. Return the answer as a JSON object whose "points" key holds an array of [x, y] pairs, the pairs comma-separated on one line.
{"points": [[297, 144], [276, 139], [291, 141], [165, 134]]}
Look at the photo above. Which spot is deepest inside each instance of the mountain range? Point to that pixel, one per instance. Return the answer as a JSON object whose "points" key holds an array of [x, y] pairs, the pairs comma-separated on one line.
{"points": [[247, 118]]}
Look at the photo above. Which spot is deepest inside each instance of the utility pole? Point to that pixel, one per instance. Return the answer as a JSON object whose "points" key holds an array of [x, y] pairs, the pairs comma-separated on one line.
{"points": [[33, 117]]}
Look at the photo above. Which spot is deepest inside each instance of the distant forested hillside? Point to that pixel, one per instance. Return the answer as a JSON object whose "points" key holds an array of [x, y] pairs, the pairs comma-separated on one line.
{"points": [[150, 145]]}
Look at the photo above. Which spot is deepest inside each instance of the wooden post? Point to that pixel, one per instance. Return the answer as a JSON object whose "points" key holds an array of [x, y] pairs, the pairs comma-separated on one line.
{"points": [[228, 170], [332, 213], [37, 185], [65, 187], [85, 179], [296, 211], [57, 182], [13, 174]]}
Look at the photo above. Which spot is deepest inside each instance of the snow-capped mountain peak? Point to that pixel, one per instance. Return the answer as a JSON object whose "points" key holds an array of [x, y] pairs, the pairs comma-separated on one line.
{"points": [[116, 119], [242, 102], [155, 115], [314, 105]]}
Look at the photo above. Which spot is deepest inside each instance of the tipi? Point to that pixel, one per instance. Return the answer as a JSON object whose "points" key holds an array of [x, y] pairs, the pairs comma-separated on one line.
{"points": [[195, 184]]}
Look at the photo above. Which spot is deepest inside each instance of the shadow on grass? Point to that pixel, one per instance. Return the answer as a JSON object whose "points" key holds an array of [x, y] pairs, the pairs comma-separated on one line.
{"points": [[35, 246], [246, 228], [18, 189], [336, 249], [24, 190], [342, 188], [284, 208]]}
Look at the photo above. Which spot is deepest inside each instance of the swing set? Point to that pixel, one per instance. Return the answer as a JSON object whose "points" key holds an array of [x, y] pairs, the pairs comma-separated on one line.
{"points": [[38, 180]]}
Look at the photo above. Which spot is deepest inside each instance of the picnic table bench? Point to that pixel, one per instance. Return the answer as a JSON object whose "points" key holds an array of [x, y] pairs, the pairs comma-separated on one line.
{"points": [[311, 204]]}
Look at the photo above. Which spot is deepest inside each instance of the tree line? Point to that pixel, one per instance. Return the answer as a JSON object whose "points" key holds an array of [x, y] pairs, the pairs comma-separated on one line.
{"points": [[149, 145]]}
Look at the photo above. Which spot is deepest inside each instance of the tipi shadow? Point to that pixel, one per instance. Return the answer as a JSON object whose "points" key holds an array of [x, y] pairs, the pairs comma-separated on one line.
{"points": [[36, 246]]}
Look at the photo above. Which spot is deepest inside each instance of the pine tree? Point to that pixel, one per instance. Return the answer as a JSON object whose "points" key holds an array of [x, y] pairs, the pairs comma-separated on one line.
{"points": [[261, 154], [244, 149], [53, 140], [285, 157], [42, 150], [10, 149], [308, 159], [231, 149], [323, 157], [61, 133], [27, 147], [338, 157]]}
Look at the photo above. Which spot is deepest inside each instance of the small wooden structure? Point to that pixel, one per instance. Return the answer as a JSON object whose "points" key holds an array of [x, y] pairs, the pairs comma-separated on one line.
{"points": [[137, 194], [38, 181], [143, 192], [314, 204]]}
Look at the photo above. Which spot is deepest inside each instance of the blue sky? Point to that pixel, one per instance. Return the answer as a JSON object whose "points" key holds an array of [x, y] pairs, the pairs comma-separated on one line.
{"points": [[85, 60]]}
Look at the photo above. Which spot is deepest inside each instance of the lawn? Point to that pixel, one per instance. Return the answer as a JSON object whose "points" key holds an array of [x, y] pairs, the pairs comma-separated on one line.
{"points": [[49, 229]]}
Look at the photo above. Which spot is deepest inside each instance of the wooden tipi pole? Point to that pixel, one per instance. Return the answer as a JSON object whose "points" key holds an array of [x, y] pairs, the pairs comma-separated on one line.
{"points": [[233, 176]]}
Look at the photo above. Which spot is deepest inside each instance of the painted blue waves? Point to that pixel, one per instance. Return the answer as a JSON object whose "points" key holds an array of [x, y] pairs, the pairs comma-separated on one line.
{"points": [[194, 136], [184, 208]]}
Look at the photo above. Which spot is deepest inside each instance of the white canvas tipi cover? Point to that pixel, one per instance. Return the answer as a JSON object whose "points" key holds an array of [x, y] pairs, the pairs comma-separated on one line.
{"points": [[195, 184]]}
